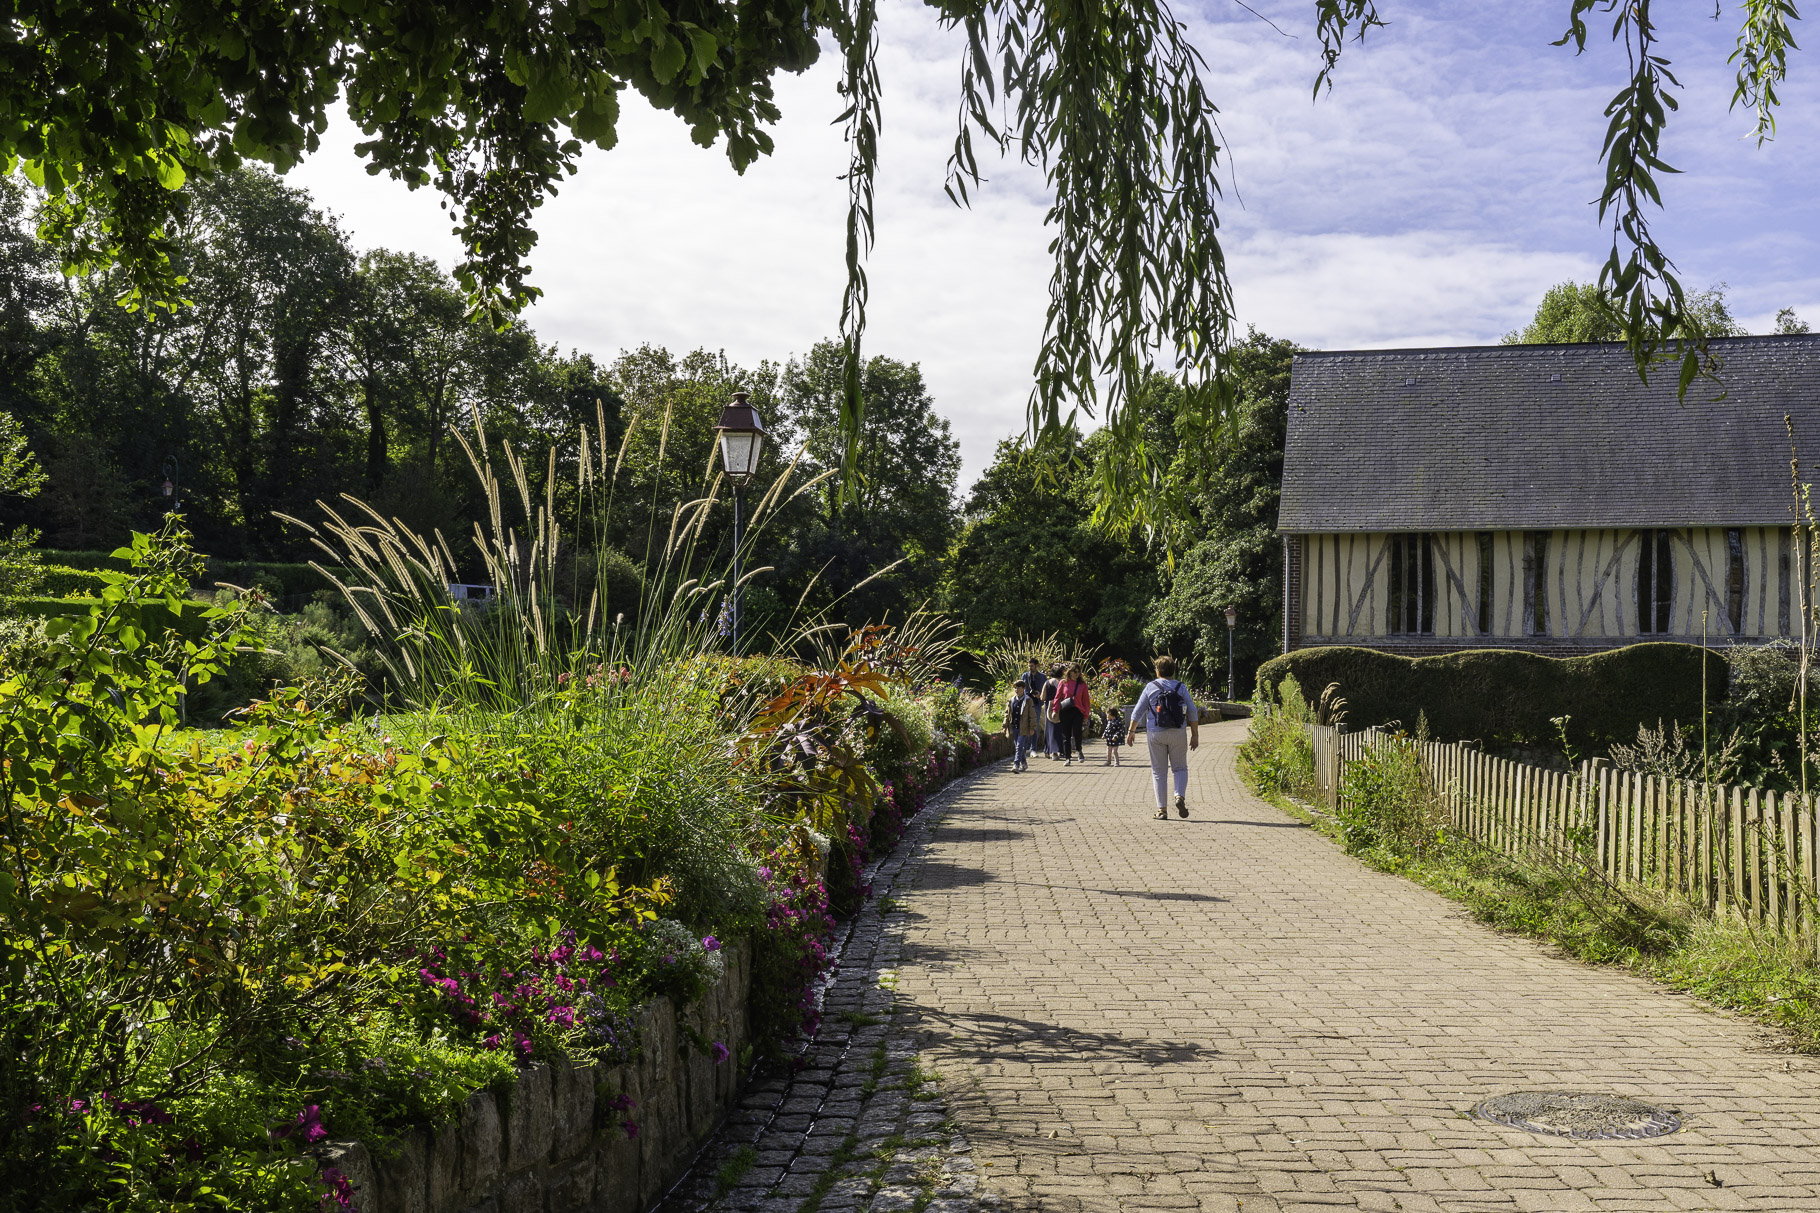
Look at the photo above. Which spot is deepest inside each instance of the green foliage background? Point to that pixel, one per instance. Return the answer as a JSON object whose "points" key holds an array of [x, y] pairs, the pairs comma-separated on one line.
{"points": [[1504, 697]]}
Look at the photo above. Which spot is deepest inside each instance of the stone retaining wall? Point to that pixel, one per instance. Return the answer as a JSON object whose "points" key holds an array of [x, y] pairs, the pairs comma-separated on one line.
{"points": [[556, 1142]]}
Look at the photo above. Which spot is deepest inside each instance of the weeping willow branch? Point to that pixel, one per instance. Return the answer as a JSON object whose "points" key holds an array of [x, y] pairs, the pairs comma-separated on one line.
{"points": [[1762, 60], [857, 29]]}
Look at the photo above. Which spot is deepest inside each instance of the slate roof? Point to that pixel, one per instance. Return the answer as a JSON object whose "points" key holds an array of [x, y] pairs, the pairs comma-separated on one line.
{"points": [[1488, 438]]}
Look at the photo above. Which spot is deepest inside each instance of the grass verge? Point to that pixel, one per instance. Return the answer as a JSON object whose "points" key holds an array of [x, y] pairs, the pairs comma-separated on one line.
{"points": [[1722, 961]]}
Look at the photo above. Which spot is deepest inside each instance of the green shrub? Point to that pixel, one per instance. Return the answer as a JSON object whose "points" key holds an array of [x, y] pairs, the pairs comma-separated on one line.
{"points": [[190, 931], [281, 580], [87, 560], [1276, 755], [186, 616], [1387, 802], [62, 581], [1503, 697]]}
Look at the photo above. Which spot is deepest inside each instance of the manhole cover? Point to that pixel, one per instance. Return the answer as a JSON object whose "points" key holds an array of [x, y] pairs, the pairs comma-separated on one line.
{"points": [[1577, 1114]]}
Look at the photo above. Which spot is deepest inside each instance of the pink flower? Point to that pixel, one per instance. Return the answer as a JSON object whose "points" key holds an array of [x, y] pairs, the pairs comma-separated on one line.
{"points": [[340, 1191], [309, 1126]]}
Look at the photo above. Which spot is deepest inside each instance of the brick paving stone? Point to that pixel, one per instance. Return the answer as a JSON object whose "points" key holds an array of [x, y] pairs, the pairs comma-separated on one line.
{"points": [[1227, 1013], [1231, 1005]]}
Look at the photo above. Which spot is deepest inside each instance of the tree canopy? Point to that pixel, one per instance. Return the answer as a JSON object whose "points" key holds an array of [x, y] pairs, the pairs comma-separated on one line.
{"points": [[120, 111], [1577, 311]]}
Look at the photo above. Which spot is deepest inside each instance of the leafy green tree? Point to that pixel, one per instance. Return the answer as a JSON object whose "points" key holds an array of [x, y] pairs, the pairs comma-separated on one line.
{"points": [[21, 476], [1030, 558], [899, 509], [1789, 323], [409, 346], [1578, 311], [296, 372], [113, 109], [27, 287], [1237, 559]]}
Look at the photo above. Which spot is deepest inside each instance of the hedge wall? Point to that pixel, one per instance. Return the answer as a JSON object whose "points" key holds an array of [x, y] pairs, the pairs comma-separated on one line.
{"points": [[190, 613], [1505, 697], [62, 581], [286, 580]]}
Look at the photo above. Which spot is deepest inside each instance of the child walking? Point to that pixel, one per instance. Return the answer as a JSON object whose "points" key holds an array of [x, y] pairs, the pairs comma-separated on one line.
{"points": [[1114, 729]]}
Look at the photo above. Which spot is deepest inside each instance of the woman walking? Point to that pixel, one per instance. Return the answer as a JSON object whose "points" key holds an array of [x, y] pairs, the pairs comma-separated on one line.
{"points": [[1052, 729], [1172, 727], [1072, 703]]}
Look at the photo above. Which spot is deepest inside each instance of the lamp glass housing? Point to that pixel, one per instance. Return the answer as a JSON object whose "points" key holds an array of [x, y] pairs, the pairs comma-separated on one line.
{"points": [[739, 450]]}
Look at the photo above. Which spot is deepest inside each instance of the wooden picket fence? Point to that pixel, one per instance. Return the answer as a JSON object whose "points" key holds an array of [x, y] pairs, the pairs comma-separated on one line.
{"points": [[1737, 850]]}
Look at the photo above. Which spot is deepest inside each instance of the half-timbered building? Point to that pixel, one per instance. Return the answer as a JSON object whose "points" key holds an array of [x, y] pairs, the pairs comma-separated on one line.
{"points": [[1543, 497]]}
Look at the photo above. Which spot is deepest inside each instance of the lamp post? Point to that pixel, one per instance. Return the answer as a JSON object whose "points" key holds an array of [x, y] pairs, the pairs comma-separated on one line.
{"points": [[1232, 682], [173, 483], [742, 437]]}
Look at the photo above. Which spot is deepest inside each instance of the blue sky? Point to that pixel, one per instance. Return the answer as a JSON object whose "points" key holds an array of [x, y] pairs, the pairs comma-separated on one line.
{"points": [[1429, 200]]}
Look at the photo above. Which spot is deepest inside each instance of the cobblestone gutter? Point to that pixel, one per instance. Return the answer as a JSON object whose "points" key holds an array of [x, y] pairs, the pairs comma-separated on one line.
{"points": [[855, 1122], [557, 1142]]}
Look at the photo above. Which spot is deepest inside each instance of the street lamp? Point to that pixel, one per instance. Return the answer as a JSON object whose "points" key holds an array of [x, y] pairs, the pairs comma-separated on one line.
{"points": [[742, 437], [1232, 682], [173, 483]]}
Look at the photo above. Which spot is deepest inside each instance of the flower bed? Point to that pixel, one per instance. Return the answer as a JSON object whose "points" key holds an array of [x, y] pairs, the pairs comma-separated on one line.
{"points": [[220, 952]]}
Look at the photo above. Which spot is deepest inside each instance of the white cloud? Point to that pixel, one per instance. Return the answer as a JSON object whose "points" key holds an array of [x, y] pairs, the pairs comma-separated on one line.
{"points": [[1429, 200]]}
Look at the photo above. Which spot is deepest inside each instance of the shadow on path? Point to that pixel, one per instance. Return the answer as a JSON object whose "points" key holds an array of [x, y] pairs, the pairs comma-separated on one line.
{"points": [[976, 834], [987, 1038]]}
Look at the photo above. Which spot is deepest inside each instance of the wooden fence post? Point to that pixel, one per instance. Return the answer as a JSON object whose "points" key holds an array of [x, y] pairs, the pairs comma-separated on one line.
{"points": [[1604, 843], [1753, 852]]}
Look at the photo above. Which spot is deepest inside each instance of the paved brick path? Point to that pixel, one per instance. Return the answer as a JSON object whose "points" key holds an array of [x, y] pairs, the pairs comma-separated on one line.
{"points": [[1227, 1013]]}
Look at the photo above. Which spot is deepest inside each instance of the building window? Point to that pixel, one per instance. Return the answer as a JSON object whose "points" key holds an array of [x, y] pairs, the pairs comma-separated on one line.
{"points": [[1734, 579], [1412, 584], [1655, 582], [1535, 582], [1485, 550]]}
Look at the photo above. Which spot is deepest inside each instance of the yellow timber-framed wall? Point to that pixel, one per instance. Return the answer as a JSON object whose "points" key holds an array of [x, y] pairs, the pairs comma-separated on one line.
{"points": [[1590, 580]]}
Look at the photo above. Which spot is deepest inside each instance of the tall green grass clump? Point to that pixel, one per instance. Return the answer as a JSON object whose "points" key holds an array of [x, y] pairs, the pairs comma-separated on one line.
{"points": [[1277, 755], [1388, 806]]}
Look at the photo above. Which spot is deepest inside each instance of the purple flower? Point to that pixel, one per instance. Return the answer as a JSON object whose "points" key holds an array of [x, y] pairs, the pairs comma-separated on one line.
{"points": [[563, 1017], [340, 1191], [631, 1128], [721, 1053], [710, 944], [309, 1126]]}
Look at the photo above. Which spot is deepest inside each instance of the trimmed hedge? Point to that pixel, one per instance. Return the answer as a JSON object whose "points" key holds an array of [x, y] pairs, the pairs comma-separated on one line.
{"points": [[1505, 697], [62, 581], [49, 608], [287, 580], [282, 579], [84, 560]]}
